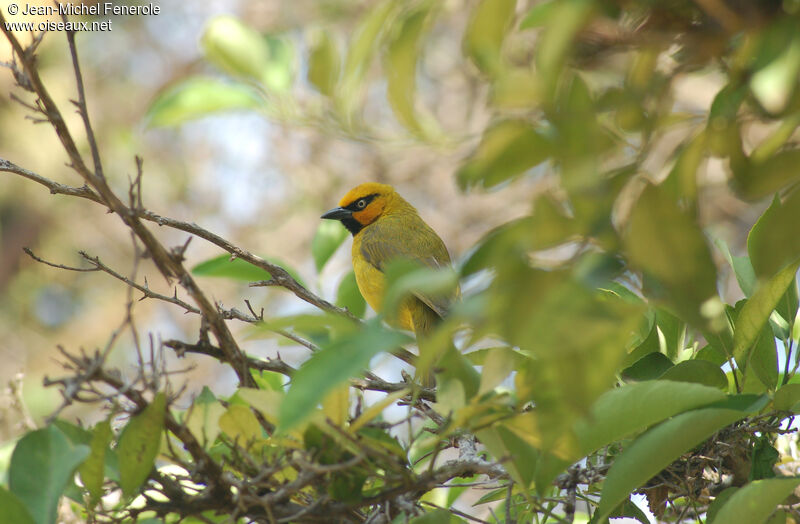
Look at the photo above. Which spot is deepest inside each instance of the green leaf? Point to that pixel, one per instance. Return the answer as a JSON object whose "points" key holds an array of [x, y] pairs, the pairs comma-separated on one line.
{"points": [[507, 149], [335, 363], [92, 471], [757, 309], [486, 29], [401, 70], [753, 503], [631, 408], [238, 269], [323, 63], [241, 51], [755, 180], [349, 296], [203, 419], [499, 364], [367, 39], [698, 372], [659, 447], [197, 97], [138, 445], [773, 241], [42, 464], [773, 84], [240, 424], [668, 246], [763, 459], [329, 236], [718, 503], [786, 397], [763, 359], [14, 511], [539, 15], [501, 442], [649, 367]]}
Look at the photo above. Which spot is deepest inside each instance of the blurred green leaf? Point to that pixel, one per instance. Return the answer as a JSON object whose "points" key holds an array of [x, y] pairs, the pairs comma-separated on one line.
{"points": [[349, 296], [669, 247], [14, 511], [486, 29], [400, 65], [507, 149], [757, 309], [773, 84], [241, 51], [657, 448], [238, 269], [329, 236], [42, 464], [538, 15], [698, 372], [138, 445], [336, 362], [197, 97], [203, 419], [437, 516], [499, 364], [756, 501], [323, 63], [93, 468], [555, 44], [623, 411], [763, 358], [773, 241], [718, 502], [755, 180], [367, 39]]}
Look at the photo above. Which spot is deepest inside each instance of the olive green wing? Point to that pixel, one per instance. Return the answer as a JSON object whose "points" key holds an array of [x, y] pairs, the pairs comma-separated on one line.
{"points": [[408, 238]]}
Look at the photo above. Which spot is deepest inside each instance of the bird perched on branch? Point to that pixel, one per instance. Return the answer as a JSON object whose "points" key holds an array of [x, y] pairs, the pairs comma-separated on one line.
{"points": [[386, 227]]}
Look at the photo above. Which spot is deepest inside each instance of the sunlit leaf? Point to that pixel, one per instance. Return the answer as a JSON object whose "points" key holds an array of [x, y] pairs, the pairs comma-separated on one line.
{"points": [[336, 404], [499, 363], [197, 97], [42, 464], [138, 445], [203, 418]]}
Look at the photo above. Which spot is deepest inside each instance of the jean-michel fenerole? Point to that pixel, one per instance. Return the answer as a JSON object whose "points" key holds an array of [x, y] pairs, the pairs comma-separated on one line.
{"points": [[98, 9]]}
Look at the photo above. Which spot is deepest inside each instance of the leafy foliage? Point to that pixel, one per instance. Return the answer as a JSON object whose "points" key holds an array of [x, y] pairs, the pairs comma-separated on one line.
{"points": [[613, 369]]}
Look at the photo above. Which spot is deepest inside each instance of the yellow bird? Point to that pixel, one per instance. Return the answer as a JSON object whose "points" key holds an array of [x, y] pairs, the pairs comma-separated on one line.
{"points": [[386, 227]]}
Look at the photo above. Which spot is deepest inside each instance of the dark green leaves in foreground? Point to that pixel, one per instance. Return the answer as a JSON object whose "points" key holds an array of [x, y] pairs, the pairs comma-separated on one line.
{"points": [[138, 445], [42, 464], [339, 360]]}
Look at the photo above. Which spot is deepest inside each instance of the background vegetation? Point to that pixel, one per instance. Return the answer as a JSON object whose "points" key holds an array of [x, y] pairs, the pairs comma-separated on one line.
{"points": [[617, 181]]}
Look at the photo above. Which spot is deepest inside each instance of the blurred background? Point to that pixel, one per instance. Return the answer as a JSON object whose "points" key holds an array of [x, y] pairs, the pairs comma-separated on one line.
{"points": [[259, 177]]}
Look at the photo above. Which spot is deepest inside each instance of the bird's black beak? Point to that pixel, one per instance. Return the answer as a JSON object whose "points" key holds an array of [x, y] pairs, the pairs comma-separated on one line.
{"points": [[338, 213]]}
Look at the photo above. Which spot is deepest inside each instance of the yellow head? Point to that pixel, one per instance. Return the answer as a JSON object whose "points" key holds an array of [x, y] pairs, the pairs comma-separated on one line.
{"points": [[362, 205]]}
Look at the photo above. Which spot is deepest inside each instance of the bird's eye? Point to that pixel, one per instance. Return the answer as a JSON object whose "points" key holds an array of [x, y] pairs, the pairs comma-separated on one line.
{"points": [[361, 204]]}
